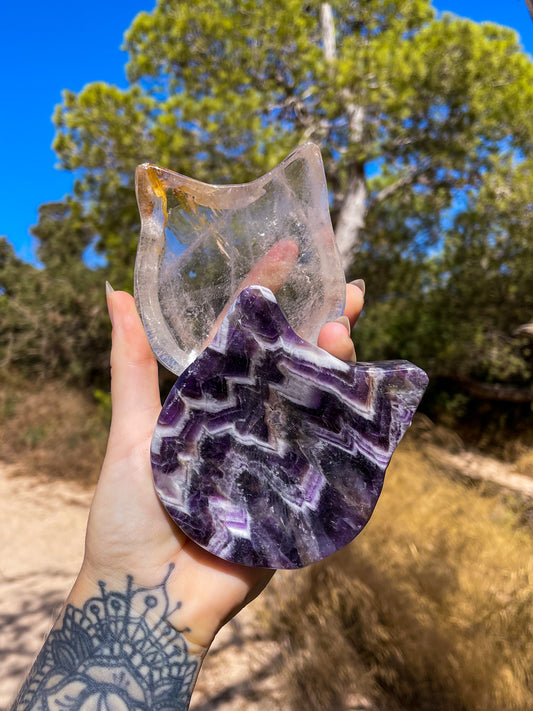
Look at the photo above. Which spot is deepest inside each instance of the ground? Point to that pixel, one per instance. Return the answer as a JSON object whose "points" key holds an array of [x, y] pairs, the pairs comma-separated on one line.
{"points": [[42, 526]]}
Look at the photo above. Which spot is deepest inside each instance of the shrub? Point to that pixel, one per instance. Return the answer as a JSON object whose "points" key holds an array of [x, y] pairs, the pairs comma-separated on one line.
{"points": [[430, 608]]}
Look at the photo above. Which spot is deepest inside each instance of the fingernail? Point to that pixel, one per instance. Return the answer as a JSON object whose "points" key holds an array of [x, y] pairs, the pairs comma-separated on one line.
{"points": [[108, 291], [360, 284], [345, 322], [353, 359]]}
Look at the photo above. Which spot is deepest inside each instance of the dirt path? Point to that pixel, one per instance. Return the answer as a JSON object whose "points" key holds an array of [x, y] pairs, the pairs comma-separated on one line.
{"points": [[42, 528], [41, 546]]}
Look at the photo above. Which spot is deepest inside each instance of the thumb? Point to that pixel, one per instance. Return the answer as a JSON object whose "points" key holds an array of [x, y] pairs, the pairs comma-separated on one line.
{"points": [[134, 382]]}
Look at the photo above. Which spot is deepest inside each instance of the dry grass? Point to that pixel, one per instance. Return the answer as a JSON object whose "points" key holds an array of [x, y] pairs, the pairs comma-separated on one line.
{"points": [[431, 608], [524, 463], [51, 430]]}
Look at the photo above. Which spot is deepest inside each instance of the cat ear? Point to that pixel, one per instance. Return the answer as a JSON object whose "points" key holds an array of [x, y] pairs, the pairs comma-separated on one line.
{"points": [[201, 244]]}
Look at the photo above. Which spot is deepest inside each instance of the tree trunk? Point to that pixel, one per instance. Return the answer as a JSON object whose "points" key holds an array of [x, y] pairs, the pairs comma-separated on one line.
{"points": [[353, 210], [352, 214], [351, 217], [328, 32]]}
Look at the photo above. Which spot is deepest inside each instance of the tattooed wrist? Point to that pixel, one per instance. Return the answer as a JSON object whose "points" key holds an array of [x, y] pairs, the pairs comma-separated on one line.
{"points": [[117, 651]]}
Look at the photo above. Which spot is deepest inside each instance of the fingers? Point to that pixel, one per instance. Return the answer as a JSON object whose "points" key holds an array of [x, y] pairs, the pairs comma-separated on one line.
{"points": [[134, 381], [334, 337], [355, 299], [271, 271]]}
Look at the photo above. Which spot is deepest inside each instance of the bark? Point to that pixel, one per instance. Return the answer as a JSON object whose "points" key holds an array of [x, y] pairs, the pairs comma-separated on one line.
{"points": [[328, 32], [352, 214], [529, 4]]}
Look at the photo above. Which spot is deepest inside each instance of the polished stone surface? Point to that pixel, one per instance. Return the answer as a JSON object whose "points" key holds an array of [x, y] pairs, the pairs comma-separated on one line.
{"points": [[271, 452], [201, 244]]}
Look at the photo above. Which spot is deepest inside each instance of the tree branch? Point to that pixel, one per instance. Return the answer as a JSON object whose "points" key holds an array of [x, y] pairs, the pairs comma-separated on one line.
{"points": [[495, 391], [389, 190], [526, 329]]}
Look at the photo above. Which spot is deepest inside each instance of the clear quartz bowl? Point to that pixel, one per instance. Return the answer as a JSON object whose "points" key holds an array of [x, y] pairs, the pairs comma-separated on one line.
{"points": [[201, 244]]}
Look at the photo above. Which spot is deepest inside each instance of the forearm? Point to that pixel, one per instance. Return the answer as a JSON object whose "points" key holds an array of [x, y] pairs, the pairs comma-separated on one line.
{"points": [[113, 647]]}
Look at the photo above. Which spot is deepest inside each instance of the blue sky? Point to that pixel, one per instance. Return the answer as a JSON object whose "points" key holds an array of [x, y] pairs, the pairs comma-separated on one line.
{"points": [[49, 46]]}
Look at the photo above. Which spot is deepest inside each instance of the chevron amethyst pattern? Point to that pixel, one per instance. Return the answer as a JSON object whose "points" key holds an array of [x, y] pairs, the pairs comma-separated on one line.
{"points": [[269, 451]]}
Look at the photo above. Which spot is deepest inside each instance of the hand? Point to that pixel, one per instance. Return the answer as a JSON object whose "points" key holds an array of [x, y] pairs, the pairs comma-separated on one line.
{"points": [[129, 532]]}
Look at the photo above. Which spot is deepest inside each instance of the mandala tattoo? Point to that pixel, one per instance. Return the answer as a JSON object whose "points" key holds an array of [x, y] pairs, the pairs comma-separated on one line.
{"points": [[118, 653]]}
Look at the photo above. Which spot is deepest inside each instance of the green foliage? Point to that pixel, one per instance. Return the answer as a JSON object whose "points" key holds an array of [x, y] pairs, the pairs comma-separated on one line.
{"points": [[429, 118], [103, 402], [459, 318], [53, 321]]}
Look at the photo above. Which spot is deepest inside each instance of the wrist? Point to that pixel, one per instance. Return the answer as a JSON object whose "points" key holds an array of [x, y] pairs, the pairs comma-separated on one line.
{"points": [[150, 600], [114, 646]]}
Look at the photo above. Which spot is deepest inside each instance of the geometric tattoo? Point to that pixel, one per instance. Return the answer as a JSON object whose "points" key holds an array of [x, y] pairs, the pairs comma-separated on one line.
{"points": [[117, 653]]}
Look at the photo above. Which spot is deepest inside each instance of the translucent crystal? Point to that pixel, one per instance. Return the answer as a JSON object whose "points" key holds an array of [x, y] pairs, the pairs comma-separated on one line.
{"points": [[201, 244]]}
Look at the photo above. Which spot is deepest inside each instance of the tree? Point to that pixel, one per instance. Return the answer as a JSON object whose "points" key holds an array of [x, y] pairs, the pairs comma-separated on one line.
{"points": [[413, 114], [53, 320], [467, 314], [423, 103]]}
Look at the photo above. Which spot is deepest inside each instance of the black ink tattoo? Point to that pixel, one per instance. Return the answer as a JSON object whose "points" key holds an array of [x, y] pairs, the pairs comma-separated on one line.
{"points": [[118, 653]]}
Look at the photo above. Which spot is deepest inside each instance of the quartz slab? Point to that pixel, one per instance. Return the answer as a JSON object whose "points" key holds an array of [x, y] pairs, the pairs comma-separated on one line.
{"points": [[269, 451], [201, 244]]}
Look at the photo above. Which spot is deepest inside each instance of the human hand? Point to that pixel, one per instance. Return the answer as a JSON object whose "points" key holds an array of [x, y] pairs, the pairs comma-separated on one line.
{"points": [[129, 532], [148, 601]]}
